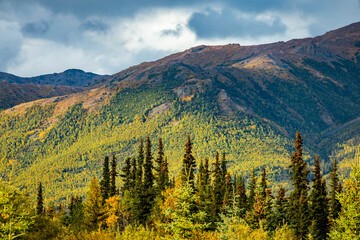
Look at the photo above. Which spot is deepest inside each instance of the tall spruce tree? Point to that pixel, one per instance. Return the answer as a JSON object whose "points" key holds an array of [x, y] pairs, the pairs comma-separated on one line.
{"points": [[334, 203], [319, 206], [40, 201], [252, 188], [126, 176], [217, 188], [113, 175], [76, 213], [263, 184], [241, 198], [140, 163], [298, 200], [280, 207], [133, 173], [204, 189], [223, 168], [228, 192], [105, 181], [161, 169], [148, 189], [188, 164]]}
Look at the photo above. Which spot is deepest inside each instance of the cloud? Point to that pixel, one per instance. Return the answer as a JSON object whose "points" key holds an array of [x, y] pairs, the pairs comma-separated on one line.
{"points": [[212, 24], [35, 29], [95, 25], [43, 36], [10, 42], [174, 32]]}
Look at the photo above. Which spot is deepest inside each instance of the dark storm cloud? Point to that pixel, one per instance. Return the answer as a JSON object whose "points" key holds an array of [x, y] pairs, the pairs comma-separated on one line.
{"points": [[228, 23], [35, 29], [174, 32], [95, 25], [84, 8]]}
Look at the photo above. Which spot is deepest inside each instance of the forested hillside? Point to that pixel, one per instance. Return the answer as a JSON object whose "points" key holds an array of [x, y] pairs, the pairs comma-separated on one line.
{"points": [[246, 101]]}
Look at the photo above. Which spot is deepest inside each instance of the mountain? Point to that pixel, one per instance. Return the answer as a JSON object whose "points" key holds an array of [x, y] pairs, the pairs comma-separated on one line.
{"points": [[15, 90], [12, 94], [70, 77], [246, 101]]}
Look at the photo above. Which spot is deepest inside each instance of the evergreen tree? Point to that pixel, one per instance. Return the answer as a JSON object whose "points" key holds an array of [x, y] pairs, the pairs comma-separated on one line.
{"points": [[334, 203], [280, 207], [40, 201], [133, 173], [263, 184], [140, 162], [217, 189], [241, 198], [138, 210], [126, 176], [228, 193], [76, 213], [148, 167], [204, 189], [159, 167], [188, 165], [105, 181], [252, 188], [94, 213], [319, 206], [165, 179], [148, 190], [298, 200], [223, 168], [113, 174]]}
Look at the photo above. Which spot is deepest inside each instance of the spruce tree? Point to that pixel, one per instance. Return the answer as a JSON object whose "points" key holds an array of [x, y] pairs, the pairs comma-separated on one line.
{"points": [[40, 201], [280, 207], [140, 162], [204, 189], [148, 167], [319, 206], [161, 170], [159, 162], [217, 189], [228, 192], [188, 165], [76, 213], [126, 176], [263, 184], [298, 200], [113, 174], [223, 168], [133, 173], [241, 198], [334, 203], [148, 190], [252, 188], [138, 210], [105, 181]]}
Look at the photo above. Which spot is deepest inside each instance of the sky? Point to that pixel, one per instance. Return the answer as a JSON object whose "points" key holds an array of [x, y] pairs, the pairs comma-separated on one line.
{"points": [[107, 36]]}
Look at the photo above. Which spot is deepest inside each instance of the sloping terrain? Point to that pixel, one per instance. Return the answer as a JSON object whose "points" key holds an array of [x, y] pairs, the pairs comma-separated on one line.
{"points": [[247, 101], [12, 94], [15, 90]]}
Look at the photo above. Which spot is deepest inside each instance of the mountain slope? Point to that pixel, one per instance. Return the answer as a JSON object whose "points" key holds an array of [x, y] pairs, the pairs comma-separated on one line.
{"points": [[12, 94], [245, 100], [15, 90]]}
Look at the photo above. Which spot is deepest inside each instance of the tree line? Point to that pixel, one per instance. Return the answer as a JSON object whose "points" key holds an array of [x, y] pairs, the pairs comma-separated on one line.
{"points": [[207, 199]]}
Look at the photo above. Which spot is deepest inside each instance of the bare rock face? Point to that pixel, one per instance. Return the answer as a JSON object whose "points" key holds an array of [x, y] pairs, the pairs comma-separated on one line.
{"points": [[159, 109]]}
